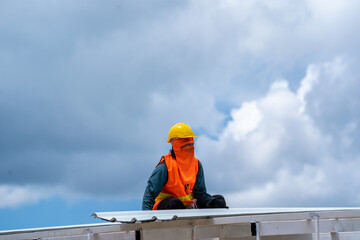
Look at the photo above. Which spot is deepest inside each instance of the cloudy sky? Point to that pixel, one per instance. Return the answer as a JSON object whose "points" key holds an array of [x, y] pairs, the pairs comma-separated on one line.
{"points": [[89, 90]]}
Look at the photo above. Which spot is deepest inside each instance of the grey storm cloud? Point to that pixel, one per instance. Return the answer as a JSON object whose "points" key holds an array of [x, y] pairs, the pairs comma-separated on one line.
{"points": [[88, 90]]}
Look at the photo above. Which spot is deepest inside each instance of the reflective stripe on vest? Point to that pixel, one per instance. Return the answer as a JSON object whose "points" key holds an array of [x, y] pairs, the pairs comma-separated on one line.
{"points": [[175, 187]]}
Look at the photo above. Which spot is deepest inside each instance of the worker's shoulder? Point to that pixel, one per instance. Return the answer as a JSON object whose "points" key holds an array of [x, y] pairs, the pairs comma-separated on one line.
{"points": [[161, 164]]}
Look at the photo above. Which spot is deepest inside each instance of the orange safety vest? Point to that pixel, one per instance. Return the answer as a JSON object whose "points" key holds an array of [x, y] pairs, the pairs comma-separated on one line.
{"points": [[175, 186]]}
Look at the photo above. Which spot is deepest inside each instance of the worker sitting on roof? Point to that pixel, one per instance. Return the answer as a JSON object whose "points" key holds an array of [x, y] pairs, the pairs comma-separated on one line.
{"points": [[177, 181]]}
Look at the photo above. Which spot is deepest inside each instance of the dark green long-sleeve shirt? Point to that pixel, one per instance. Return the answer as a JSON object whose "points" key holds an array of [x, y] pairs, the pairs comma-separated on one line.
{"points": [[159, 178]]}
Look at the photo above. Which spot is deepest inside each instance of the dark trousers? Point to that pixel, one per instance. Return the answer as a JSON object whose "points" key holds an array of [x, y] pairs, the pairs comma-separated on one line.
{"points": [[218, 201], [170, 203]]}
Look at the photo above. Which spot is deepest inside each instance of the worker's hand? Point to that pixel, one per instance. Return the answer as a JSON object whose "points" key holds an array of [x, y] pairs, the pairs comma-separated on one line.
{"points": [[218, 201]]}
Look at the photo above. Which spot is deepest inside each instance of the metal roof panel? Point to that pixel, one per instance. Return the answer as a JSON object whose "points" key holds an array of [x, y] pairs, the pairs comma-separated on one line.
{"points": [[166, 215]]}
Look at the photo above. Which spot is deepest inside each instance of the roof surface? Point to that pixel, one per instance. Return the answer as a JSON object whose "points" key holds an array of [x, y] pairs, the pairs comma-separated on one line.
{"points": [[166, 215]]}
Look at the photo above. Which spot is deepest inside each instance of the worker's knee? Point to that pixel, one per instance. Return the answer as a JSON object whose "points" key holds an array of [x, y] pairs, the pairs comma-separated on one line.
{"points": [[171, 203], [218, 201]]}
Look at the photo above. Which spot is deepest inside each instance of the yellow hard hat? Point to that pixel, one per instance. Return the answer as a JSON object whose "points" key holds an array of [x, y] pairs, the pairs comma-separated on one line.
{"points": [[180, 130]]}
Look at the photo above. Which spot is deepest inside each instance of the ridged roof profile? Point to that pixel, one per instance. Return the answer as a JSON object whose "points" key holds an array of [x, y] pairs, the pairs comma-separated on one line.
{"points": [[237, 223], [167, 215]]}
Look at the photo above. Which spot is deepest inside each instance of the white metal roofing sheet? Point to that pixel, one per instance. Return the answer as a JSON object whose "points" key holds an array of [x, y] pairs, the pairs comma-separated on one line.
{"points": [[163, 215]]}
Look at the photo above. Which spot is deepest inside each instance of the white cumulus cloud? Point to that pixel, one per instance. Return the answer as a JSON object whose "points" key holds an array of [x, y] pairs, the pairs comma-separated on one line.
{"points": [[14, 195], [273, 152]]}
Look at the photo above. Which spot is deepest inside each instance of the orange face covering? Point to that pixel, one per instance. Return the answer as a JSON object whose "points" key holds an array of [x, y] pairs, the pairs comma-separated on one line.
{"points": [[185, 157]]}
